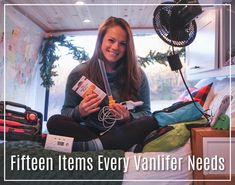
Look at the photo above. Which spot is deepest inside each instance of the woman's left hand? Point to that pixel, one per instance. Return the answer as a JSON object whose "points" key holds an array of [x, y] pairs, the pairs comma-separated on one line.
{"points": [[121, 111]]}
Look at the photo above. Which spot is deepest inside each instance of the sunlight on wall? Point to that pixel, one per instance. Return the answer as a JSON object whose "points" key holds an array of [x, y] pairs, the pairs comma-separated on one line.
{"points": [[23, 40]]}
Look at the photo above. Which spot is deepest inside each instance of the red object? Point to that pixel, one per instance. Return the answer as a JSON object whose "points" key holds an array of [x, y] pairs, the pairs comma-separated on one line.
{"points": [[23, 124], [9, 129], [10, 123], [31, 117]]}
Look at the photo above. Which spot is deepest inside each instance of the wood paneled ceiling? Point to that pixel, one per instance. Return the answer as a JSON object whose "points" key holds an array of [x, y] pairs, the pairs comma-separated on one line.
{"points": [[66, 16]]}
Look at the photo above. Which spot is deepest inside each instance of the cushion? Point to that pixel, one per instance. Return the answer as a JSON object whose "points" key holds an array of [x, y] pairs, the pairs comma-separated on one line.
{"points": [[172, 138], [221, 89], [204, 82], [199, 95], [209, 99], [184, 96]]}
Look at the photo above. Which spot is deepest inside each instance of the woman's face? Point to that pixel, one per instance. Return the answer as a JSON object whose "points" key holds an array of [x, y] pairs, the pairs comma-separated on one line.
{"points": [[114, 44]]}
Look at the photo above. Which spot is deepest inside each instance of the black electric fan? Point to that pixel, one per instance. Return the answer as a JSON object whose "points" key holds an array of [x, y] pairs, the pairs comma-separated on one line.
{"points": [[174, 23]]}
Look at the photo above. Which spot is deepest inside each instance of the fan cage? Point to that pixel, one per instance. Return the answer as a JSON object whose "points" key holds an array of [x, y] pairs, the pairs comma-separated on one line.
{"points": [[163, 32]]}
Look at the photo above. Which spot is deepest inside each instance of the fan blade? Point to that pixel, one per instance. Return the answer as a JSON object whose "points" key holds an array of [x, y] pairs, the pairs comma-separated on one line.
{"points": [[178, 35], [164, 19]]}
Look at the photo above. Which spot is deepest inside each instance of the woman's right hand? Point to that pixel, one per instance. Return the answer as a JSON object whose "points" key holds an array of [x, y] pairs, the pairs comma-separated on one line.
{"points": [[89, 105]]}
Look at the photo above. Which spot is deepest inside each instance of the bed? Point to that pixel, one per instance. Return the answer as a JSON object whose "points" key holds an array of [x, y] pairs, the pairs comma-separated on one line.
{"points": [[168, 175], [146, 174]]}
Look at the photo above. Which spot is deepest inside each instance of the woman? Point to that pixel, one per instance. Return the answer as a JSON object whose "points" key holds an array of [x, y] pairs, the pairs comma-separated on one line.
{"points": [[79, 119]]}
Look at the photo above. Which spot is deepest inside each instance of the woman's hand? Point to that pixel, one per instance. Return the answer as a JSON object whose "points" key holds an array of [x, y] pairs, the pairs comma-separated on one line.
{"points": [[89, 105], [121, 111]]}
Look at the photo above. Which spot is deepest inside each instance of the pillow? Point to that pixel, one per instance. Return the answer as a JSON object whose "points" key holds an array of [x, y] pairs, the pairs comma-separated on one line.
{"points": [[171, 137], [221, 89], [204, 82], [184, 96], [199, 95], [209, 99]]}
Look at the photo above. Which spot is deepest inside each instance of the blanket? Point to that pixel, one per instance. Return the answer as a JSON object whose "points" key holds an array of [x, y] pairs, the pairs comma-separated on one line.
{"points": [[29, 160]]}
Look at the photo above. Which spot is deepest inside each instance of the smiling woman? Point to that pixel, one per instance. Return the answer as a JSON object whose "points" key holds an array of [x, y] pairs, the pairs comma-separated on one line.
{"points": [[165, 85], [80, 115], [113, 46]]}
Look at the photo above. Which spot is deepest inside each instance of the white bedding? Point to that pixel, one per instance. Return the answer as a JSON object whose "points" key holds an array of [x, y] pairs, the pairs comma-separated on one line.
{"points": [[149, 176], [220, 89]]}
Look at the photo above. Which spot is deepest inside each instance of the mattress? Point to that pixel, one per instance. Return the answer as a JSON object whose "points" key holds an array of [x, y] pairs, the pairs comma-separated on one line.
{"points": [[155, 168]]}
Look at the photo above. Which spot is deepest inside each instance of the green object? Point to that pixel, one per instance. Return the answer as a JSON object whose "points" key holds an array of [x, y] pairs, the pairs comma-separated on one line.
{"points": [[173, 139], [161, 58], [48, 56], [170, 140], [222, 122]]}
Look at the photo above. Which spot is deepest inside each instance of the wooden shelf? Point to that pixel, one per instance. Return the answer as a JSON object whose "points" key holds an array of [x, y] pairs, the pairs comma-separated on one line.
{"points": [[197, 150]]}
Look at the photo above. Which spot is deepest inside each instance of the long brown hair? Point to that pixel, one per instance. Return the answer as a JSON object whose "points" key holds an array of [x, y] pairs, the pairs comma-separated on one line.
{"points": [[130, 79]]}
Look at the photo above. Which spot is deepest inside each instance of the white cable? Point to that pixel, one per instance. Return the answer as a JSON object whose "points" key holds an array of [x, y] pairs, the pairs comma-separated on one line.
{"points": [[108, 117]]}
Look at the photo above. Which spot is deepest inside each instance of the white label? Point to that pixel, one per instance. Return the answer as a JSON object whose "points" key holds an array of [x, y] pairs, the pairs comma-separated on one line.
{"points": [[85, 87], [59, 143]]}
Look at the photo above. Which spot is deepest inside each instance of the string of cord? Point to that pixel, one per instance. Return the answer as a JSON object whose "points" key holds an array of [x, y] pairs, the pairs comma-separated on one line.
{"points": [[108, 117], [185, 84]]}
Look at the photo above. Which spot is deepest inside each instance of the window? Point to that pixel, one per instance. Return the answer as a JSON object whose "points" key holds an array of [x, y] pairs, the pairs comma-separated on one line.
{"points": [[63, 67]]}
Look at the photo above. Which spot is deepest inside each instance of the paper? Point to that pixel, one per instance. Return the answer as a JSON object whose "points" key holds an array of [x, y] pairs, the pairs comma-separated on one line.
{"points": [[85, 87], [59, 143]]}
